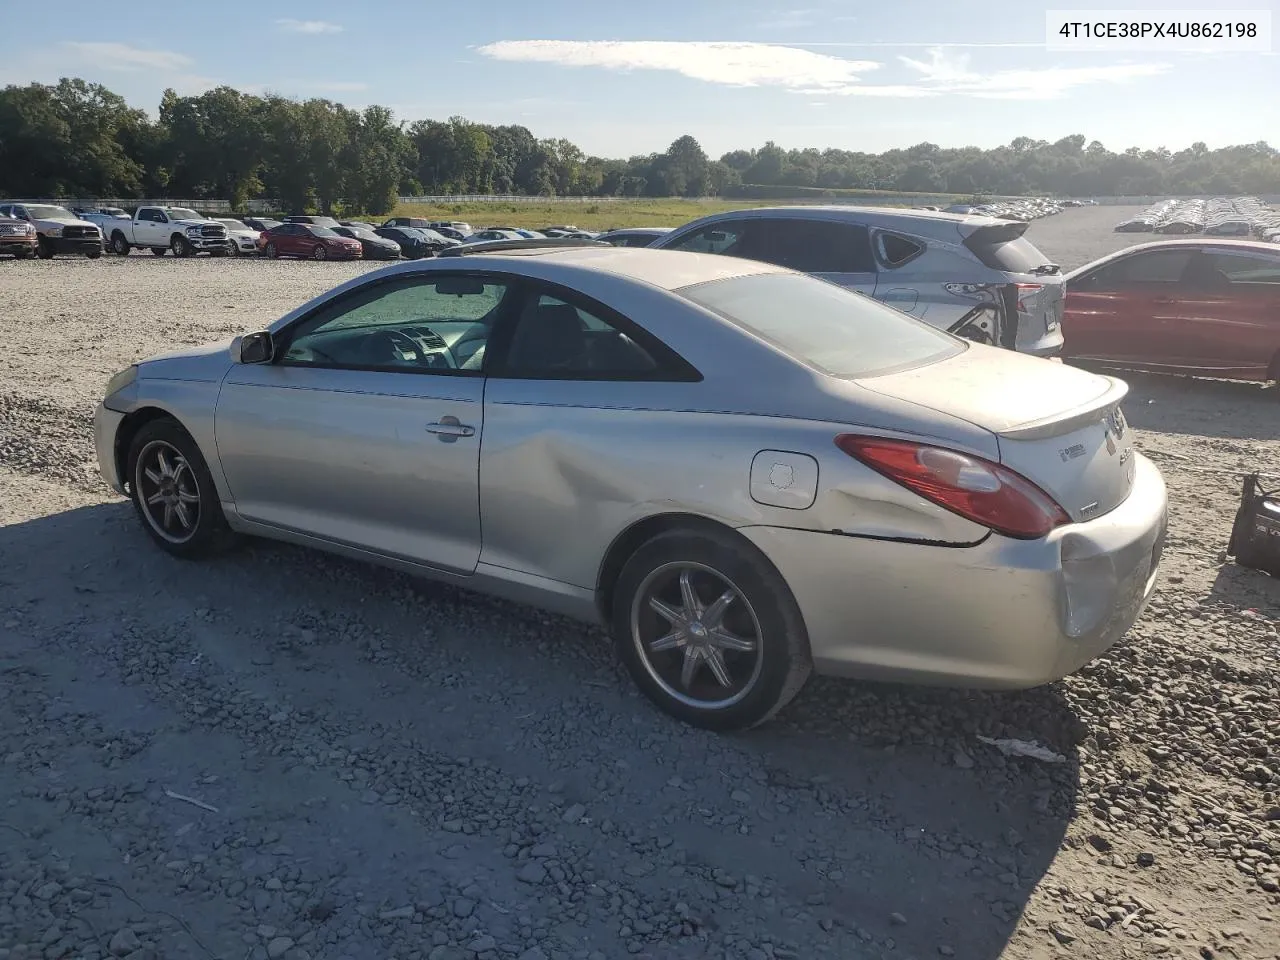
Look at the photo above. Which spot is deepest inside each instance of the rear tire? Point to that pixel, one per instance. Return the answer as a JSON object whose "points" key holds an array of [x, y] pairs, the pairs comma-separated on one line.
{"points": [[159, 251], [746, 629], [272, 251], [174, 494]]}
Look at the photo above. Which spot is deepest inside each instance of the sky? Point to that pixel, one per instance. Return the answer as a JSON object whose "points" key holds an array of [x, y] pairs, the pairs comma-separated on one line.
{"points": [[624, 78]]}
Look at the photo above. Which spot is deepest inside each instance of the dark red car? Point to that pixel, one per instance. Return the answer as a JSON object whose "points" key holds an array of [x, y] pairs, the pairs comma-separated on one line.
{"points": [[1207, 307], [307, 240]]}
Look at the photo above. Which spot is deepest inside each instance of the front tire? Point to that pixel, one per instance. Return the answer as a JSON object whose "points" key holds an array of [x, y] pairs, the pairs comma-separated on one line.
{"points": [[272, 251], [173, 492], [94, 254], [319, 253], [709, 630], [159, 251], [119, 245], [180, 246], [44, 251]]}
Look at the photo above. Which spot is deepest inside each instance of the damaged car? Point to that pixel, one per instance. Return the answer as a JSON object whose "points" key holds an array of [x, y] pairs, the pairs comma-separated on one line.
{"points": [[976, 276]]}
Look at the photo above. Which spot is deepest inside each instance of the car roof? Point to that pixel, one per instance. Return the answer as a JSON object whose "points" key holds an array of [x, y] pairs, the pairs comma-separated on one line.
{"points": [[833, 211], [1224, 243], [666, 269]]}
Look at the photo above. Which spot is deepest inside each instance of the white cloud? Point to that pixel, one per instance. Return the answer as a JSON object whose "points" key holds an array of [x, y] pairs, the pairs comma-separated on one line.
{"points": [[950, 73], [121, 56], [945, 72], [731, 64], [308, 26]]}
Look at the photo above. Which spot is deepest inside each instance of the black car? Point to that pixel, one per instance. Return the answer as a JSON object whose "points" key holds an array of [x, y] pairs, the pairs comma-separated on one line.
{"points": [[359, 224], [417, 223], [415, 243], [374, 246]]}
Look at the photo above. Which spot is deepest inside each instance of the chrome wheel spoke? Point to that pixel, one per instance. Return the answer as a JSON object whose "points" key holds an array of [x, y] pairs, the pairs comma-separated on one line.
{"points": [[184, 515], [724, 640], [168, 515], [162, 461], [188, 497], [666, 611], [151, 475], [155, 498], [715, 661], [689, 596], [689, 668], [676, 638], [713, 616]]}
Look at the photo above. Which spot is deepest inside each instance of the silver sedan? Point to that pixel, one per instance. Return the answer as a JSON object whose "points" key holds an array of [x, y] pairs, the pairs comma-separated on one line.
{"points": [[745, 473]]}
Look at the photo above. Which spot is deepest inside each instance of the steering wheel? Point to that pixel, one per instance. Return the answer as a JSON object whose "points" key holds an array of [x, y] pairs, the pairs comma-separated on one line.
{"points": [[400, 341]]}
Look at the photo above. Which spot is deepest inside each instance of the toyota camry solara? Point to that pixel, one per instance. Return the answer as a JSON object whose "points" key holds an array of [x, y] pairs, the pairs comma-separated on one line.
{"points": [[745, 473]]}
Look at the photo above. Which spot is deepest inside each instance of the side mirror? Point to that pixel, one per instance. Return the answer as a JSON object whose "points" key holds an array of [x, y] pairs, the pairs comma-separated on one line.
{"points": [[253, 348]]}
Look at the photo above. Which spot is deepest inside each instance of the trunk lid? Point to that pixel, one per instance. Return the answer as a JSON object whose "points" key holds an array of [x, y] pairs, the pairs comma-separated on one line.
{"points": [[1060, 427]]}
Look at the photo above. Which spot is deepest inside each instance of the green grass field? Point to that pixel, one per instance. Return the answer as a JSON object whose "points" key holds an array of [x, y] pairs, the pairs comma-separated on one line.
{"points": [[600, 215]]}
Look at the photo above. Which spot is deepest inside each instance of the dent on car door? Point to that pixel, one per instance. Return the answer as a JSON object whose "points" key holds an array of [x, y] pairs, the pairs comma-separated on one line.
{"points": [[579, 407], [366, 429]]}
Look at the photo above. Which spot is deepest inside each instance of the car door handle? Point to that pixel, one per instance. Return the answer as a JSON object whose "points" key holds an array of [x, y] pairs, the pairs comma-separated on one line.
{"points": [[449, 427]]}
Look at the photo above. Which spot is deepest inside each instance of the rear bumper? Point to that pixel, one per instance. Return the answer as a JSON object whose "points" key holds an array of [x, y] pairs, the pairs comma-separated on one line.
{"points": [[1002, 614], [1050, 345]]}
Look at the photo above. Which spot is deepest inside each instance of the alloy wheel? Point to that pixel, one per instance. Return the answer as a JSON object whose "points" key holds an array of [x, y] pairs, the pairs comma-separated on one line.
{"points": [[167, 491], [697, 635]]}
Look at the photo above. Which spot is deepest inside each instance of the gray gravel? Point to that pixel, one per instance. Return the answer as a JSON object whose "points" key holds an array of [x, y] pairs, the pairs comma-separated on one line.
{"points": [[284, 755]]}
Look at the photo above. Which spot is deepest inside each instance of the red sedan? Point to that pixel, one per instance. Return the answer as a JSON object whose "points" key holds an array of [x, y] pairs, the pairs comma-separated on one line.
{"points": [[307, 240], [1201, 306]]}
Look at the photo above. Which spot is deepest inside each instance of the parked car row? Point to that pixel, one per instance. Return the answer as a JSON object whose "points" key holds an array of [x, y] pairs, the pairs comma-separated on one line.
{"points": [[1021, 210], [1215, 217], [1208, 307]]}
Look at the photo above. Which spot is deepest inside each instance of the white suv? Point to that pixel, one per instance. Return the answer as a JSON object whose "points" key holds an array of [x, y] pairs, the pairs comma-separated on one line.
{"points": [[975, 276]]}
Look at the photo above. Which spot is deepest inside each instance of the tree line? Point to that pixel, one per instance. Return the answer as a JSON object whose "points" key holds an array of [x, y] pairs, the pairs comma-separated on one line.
{"points": [[80, 139]]}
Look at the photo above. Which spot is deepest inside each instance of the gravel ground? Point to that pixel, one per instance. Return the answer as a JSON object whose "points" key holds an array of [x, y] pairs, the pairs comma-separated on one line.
{"points": [[284, 755]]}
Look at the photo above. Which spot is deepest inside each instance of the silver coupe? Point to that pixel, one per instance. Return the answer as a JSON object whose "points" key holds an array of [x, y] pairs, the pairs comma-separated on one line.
{"points": [[745, 473]]}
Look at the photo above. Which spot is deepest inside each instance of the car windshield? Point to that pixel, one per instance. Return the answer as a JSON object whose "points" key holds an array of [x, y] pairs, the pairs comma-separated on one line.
{"points": [[320, 231], [269, 224], [840, 332], [183, 213], [360, 233], [233, 225], [49, 212]]}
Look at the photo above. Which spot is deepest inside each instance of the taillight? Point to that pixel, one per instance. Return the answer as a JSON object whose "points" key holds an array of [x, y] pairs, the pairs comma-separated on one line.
{"points": [[1025, 291], [970, 486]]}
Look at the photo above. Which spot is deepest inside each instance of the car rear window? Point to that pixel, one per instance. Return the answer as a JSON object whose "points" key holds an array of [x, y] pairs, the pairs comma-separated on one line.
{"points": [[839, 332], [1004, 247]]}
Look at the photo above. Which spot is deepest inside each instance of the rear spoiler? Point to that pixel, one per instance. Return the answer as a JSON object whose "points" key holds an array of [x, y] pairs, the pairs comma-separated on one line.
{"points": [[1001, 232], [1081, 416]]}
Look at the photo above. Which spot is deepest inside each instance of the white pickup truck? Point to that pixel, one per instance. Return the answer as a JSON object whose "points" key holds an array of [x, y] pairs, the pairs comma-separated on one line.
{"points": [[161, 229]]}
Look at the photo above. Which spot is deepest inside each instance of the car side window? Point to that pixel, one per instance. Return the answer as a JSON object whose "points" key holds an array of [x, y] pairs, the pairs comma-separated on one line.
{"points": [[896, 250], [1161, 266], [554, 339], [1246, 268], [436, 325], [814, 246], [725, 237]]}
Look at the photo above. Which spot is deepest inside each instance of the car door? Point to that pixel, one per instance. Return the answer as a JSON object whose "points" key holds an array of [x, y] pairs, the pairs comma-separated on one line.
{"points": [[152, 228], [1127, 309], [567, 378], [365, 430], [1230, 311]]}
